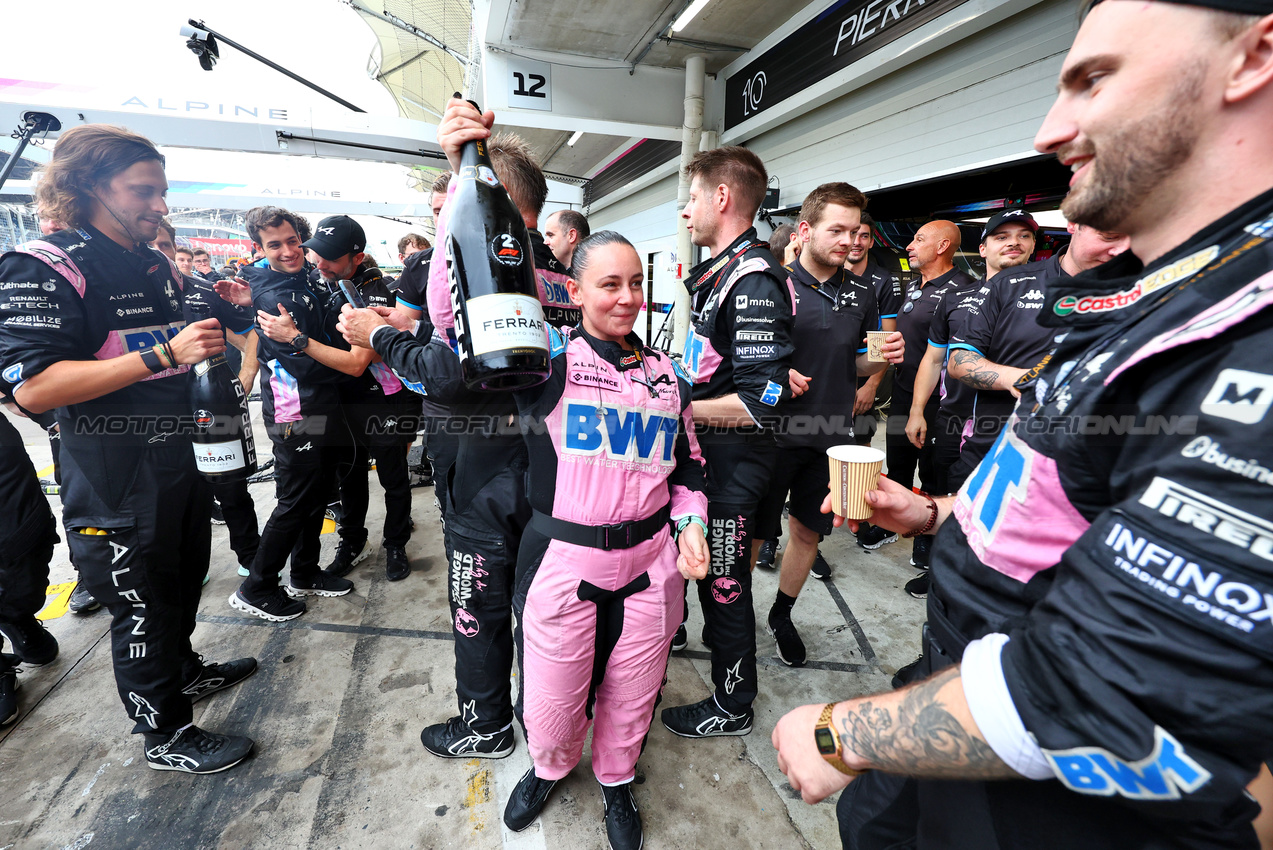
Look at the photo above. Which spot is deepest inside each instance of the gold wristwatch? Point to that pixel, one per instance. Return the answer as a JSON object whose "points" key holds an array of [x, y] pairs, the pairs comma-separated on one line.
{"points": [[829, 743]]}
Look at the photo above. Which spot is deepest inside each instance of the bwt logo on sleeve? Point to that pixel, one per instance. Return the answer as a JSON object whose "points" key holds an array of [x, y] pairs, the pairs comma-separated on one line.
{"points": [[628, 433], [1162, 775]]}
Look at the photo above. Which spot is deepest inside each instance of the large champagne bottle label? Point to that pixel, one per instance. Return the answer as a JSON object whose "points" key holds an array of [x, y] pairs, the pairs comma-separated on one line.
{"points": [[506, 322], [224, 446], [499, 321]]}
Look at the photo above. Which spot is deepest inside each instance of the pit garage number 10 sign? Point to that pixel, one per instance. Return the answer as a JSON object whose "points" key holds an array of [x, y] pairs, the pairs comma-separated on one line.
{"points": [[530, 84]]}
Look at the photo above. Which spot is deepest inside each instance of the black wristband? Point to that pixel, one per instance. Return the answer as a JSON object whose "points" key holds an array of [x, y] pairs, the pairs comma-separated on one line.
{"points": [[151, 358]]}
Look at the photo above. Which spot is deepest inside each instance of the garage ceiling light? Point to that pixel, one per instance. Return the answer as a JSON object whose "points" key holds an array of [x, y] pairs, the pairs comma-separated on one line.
{"points": [[688, 15]]}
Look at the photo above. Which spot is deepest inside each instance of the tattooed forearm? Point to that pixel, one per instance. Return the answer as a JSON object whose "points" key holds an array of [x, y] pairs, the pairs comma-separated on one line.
{"points": [[971, 368], [914, 732]]}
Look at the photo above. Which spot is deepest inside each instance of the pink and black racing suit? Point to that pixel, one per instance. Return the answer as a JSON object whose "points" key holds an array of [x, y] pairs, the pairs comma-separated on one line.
{"points": [[613, 459]]}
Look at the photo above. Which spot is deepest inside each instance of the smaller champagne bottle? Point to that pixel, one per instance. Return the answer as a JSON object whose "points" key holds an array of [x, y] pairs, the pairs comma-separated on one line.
{"points": [[224, 448]]}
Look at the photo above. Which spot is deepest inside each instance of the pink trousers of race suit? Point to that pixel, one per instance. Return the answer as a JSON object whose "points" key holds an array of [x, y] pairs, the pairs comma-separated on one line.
{"points": [[577, 598]]}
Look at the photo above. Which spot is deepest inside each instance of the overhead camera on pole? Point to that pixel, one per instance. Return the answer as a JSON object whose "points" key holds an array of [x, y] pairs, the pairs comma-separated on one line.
{"points": [[202, 41], [33, 123], [202, 44]]}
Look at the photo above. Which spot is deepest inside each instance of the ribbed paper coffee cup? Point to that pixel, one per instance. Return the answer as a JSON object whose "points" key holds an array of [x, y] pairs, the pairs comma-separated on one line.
{"points": [[875, 339], [854, 471]]}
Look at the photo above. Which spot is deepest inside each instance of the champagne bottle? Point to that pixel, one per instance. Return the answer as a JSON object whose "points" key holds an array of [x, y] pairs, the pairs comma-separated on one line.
{"points": [[499, 321], [224, 447]]}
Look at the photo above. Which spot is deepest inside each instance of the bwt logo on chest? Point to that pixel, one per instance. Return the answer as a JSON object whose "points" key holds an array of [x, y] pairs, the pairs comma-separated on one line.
{"points": [[621, 432]]}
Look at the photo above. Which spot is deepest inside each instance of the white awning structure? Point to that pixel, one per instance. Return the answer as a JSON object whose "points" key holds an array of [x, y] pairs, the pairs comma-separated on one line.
{"points": [[422, 52]]}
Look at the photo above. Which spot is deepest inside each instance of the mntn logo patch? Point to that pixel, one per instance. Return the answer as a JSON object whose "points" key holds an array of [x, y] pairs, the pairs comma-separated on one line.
{"points": [[1162, 775]]}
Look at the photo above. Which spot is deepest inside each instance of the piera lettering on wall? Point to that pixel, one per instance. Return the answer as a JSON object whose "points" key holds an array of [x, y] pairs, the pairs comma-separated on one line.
{"points": [[835, 39]]}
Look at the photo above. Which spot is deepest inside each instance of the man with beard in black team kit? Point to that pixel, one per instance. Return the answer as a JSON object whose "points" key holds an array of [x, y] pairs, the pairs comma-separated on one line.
{"points": [[95, 330], [741, 291], [1003, 340], [1102, 606]]}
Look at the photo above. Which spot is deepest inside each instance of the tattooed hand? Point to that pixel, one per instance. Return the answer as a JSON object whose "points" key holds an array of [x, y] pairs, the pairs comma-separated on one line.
{"points": [[924, 730]]}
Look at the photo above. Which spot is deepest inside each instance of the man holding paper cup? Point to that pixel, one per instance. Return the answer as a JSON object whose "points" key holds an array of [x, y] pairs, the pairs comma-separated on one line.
{"points": [[1102, 605], [835, 311]]}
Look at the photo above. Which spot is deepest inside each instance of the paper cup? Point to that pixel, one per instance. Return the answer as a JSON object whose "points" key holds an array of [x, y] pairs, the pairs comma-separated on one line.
{"points": [[875, 339], [854, 471]]}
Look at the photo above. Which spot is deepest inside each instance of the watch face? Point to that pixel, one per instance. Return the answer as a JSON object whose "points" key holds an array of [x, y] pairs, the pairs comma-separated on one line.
{"points": [[825, 740]]}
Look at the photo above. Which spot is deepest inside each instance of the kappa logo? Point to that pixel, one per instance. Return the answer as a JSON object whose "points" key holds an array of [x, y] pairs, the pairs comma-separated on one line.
{"points": [[1033, 295], [1240, 396]]}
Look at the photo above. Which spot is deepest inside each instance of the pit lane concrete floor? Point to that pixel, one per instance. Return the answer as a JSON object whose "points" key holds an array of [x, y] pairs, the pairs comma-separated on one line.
{"points": [[342, 693]]}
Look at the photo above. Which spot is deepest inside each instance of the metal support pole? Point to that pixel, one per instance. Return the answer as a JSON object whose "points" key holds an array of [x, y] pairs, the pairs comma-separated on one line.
{"points": [[690, 132]]}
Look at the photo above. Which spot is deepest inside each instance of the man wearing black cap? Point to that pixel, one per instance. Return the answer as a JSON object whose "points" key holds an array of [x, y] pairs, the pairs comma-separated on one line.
{"points": [[1003, 340], [300, 398], [1101, 617], [1007, 239], [374, 403]]}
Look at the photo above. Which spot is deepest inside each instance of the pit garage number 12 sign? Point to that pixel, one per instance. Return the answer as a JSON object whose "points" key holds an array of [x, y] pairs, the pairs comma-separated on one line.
{"points": [[530, 84], [835, 39]]}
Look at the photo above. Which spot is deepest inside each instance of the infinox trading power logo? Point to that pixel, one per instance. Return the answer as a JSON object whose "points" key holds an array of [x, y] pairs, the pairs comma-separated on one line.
{"points": [[506, 250], [1195, 262]]}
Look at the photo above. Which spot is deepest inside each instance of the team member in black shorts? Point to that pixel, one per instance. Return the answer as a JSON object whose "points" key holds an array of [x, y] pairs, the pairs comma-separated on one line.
{"points": [[931, 253], [834, 310], [94, 328], [739, 355]]}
